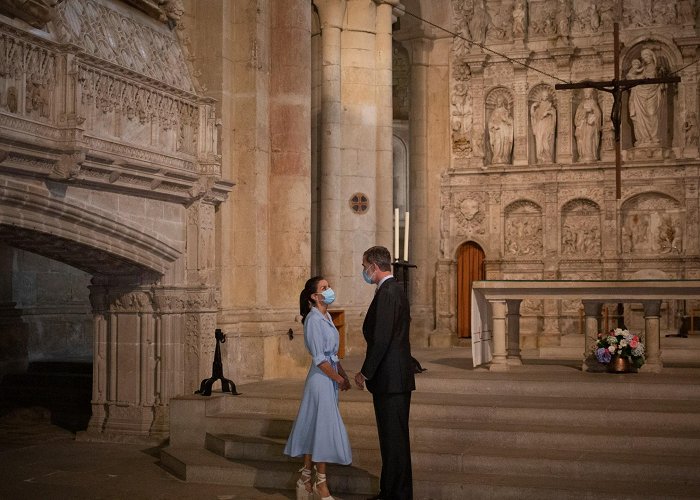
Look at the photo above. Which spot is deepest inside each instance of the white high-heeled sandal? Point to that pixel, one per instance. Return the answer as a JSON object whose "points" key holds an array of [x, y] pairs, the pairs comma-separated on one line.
{"points": [[302, 492], [320, 478]]}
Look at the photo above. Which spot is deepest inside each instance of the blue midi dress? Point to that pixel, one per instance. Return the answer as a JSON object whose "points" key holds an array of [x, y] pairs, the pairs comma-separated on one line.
{"points": [[318, 429]]}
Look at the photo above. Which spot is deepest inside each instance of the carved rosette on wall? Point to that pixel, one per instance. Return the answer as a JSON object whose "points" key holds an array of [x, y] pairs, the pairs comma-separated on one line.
{"points": [[580, 229], [523, 229], [652, 223]]}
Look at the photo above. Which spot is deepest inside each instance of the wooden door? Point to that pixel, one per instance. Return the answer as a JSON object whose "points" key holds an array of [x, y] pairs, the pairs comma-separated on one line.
{"points": [[470, 268]]}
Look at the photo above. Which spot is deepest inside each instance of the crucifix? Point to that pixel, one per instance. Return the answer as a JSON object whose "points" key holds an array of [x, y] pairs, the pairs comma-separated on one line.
{"points": [[616, 87]]}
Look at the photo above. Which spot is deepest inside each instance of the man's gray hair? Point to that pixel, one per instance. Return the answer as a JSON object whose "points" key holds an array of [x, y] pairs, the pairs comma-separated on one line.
{"points": [[379, 256]]}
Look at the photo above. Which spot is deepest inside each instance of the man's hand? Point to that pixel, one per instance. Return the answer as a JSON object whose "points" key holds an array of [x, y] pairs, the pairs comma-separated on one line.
{"points": [[359, 380]]}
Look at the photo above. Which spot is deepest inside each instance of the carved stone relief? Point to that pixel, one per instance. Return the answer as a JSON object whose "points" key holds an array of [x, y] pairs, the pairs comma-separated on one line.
{"points": [[542, 16], [470, 213], [580, 229], [112, 36], [523, 229], [643, 13], [652, 223]]}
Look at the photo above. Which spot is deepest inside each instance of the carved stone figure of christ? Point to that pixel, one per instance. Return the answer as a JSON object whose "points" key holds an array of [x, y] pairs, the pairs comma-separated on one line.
{"points": [[588, 121], [501, 132], [543, 118], [645, 101]]}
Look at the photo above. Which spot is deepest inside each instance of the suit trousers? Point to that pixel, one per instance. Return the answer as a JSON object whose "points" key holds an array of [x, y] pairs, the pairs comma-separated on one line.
{"points": [[392, 412]]}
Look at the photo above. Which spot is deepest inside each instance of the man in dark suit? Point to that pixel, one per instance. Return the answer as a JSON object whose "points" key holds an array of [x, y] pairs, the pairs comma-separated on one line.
{"points": [[388, 373]]}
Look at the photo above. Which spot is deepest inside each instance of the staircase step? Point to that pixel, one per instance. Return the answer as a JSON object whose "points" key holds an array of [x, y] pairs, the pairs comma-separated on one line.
{"points": [[640, 413], [349, 482], [536, 432], [484, 459]]}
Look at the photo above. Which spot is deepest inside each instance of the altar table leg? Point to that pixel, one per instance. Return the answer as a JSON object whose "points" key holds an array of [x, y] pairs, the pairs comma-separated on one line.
{"points": [[498, 313], [652, 336], [513, 325], [592, 311]]}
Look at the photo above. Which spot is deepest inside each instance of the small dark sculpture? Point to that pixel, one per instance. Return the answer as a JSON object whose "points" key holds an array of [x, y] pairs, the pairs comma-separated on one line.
{"points": [[217, 371]]}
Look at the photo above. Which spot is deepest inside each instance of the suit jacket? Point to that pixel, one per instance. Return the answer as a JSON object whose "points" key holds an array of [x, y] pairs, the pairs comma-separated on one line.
{"points": [[386, 327]]}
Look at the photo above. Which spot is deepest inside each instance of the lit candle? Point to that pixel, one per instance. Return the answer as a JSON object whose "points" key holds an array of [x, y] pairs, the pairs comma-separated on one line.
{"points": [[405, 239], [396, 234]]}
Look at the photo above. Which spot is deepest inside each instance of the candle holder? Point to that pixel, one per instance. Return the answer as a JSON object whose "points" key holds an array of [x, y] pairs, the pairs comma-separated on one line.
{"points": [[402, 272]]}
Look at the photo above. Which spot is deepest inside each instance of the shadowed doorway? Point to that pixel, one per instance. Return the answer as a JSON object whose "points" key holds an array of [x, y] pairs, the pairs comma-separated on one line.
{"points": [[470, 268]]}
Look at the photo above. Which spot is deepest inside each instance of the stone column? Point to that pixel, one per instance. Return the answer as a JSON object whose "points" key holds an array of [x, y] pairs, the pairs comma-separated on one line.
{"points": [[652, 336], [421, 278], [290, 150], [498, 314], [513, 349], [592, 310], [331, 13], [383, 79]]}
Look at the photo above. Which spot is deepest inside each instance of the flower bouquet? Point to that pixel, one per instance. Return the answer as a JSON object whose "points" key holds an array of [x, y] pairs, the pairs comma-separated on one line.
{"points": [[619, 343]]}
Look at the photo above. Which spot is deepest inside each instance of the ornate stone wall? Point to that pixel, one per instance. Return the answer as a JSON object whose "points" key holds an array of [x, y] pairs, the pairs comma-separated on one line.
{"points": [[531, 178], [111, 164]]}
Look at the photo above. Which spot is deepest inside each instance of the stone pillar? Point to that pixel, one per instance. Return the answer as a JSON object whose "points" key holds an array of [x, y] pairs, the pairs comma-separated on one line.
{"points": [[513, 323], [498, 314], [652, 336], [520, 113], [331, 13], [421, 277], [290, 150], [592, 310], [385, 111]]}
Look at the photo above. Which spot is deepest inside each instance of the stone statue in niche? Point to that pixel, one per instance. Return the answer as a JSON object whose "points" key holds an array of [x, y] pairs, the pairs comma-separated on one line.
{"points": [[519, 19], [543, 119], [645, 101], [563, 18], [501, 132], [461, 117], [479, 21], [690, 129], [594, 17], [588, 121]]}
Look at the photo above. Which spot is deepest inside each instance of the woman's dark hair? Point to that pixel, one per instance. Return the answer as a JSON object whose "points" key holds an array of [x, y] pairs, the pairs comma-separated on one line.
{"points": [[305, 296]]}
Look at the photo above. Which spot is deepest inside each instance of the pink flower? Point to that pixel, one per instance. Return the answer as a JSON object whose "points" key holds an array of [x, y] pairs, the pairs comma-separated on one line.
{"points": [[634, 342]]}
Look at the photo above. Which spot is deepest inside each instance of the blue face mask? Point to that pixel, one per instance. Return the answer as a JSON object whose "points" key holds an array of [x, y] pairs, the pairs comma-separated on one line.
{"points": [[366, 277], [328, 296]]}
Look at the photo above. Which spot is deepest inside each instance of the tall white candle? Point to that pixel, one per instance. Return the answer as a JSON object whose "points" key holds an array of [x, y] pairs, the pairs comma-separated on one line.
{"points": [[405, 239], [396, 234]]}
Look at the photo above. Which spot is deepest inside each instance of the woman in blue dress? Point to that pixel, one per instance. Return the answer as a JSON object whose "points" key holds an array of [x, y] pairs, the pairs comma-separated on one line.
{"points": [[318, 433]]}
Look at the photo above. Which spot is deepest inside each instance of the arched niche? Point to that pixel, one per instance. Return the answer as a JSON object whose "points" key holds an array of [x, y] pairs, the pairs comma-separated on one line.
{"points": [[648, 111], [542, 124], [499, 126]]}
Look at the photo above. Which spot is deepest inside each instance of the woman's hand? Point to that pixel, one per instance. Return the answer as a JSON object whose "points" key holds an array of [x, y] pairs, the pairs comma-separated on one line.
{"points": [[345, 385]]}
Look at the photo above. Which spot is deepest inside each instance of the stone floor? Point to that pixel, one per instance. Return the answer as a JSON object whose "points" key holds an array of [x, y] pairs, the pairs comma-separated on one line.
{"points": [[39, 460]]}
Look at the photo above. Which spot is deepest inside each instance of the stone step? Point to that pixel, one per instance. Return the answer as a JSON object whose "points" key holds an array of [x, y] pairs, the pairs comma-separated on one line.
{"points": [[661, 439], [199, 465], [681, 414], [484, 459]]}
